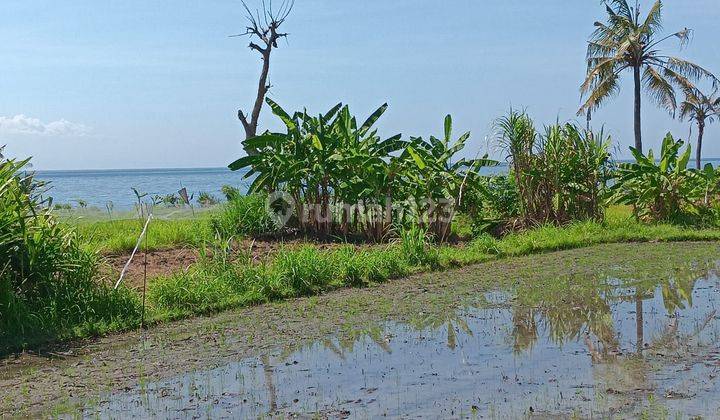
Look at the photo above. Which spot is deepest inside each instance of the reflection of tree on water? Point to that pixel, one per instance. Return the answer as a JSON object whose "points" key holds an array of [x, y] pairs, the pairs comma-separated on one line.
{"points": [[269, 383], [572, 308], [567, 309], [452, 319], [676, 295]]}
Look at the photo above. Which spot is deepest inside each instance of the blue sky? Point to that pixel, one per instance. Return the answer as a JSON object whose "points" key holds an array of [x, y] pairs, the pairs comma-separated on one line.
{"points": [[147, 84]]}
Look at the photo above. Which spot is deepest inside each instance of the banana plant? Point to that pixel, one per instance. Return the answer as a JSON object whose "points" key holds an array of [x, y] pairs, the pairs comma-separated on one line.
{"points": [[659, 190], [322, 162], [437, 178], [366, 175]]}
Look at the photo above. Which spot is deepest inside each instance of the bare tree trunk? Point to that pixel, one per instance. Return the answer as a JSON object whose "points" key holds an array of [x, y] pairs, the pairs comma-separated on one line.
{"points": [[263, 27], [251, 126], [698, 156], [638, 106]]}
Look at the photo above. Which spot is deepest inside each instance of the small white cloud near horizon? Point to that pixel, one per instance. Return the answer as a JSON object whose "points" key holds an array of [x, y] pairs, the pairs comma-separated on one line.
{"points": [[22, 124]]}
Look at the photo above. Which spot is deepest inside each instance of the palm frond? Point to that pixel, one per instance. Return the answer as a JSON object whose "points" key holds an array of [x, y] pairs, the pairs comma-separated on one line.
{"points": [[660, 89], [621, 8], [687, 110], [691, 70], [653, 21], [606, 87], [597, 70]]}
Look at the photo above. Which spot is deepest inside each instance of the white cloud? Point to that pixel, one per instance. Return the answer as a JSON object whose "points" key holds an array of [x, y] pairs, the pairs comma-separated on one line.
{"points": [[22, 124]]}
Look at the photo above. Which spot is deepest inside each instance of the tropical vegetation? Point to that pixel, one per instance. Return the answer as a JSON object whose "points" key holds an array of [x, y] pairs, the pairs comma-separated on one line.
{"points": [[701, 110], [627, 41], [560, 174], [667, 190], [342, 178], [49, 287]]}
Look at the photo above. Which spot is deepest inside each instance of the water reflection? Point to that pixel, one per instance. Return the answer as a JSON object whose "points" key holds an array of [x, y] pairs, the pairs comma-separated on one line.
{"points": [[569, 309], [565, 345]]}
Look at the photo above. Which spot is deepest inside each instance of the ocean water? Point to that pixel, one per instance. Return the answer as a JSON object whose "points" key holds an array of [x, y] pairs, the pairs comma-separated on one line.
{"points": [[99, 187]]}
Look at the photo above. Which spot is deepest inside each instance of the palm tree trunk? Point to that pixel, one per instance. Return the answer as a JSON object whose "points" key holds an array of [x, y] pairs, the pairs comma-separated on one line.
{"points": [[701, 132], [638, 106]]}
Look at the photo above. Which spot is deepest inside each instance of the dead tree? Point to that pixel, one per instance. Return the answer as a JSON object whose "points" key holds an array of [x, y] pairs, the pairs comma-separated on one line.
{"points": [[263, 27]]}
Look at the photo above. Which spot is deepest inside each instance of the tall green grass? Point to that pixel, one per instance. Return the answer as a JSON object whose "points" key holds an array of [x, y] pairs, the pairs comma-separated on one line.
{"points": [[47, 281], [560, 174], [213, 285], [120, 236], [243, 215]]}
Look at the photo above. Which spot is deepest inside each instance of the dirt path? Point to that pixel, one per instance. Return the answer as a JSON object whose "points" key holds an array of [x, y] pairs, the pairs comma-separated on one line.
{"points": [[93, 373]]}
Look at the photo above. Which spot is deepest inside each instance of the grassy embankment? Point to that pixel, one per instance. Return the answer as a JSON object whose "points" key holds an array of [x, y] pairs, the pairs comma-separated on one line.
{"points": [[220, 283]]}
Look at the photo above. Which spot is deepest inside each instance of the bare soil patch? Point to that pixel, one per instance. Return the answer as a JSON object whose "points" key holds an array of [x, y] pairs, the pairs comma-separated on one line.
{"points": [[168, 261]]}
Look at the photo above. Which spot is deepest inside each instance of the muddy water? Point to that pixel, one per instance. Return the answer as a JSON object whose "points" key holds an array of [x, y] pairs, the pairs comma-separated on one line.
{"points": [[615, 330], [587, 348]]}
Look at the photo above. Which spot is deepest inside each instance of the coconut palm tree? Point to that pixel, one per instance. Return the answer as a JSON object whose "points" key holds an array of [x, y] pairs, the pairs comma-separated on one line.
{"points": [[700, 109], [627, 42]]}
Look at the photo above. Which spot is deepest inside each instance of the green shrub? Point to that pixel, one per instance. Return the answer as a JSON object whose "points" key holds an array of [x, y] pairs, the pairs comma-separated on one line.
{"points": [[560, 174], [230, 192], [242, 216], [206, 199], [496, 204], [667, 190], [47, 282]]}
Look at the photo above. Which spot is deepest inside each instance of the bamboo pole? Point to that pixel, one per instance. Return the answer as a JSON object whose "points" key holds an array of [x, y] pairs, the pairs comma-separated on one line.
{"points": [[137, 246]]}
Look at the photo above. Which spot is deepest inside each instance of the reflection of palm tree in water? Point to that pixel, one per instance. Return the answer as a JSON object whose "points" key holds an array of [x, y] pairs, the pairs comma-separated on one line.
{"points": [[269, 383], [676, 294], [639, 323], [567, 314], [451, 319], [582, 309]]}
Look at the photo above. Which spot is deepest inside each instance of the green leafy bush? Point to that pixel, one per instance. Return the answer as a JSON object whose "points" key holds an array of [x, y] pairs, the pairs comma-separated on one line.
{"points": [[434, 172], [330, 162], [230, 192], [560, 174], [206, 199], [666, 190], [494, 204], [47, 282]]}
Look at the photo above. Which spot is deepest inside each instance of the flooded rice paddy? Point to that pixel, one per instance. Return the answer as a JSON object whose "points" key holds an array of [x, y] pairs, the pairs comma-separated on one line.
{"points": [[616, 330]]}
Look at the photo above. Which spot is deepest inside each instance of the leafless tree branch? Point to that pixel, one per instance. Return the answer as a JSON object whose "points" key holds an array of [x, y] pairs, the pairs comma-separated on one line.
{"points": [[264, 27]]}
